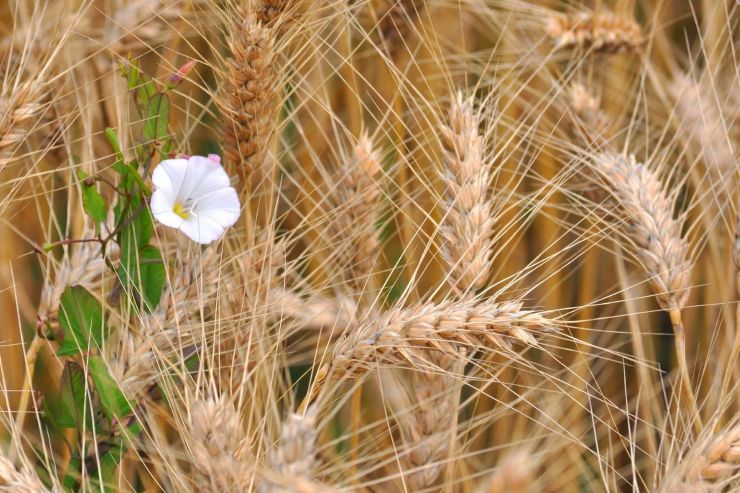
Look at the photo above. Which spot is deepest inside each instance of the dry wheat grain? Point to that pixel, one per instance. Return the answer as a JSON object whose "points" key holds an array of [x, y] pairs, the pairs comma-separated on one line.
{"points": [[214, 440], [602, 32], [294, 457], [405, 335], [19, 108], [250, 97], [356, 200], [648, 211], [712, 465], [22, 480], [468, 221], [516, 474]]}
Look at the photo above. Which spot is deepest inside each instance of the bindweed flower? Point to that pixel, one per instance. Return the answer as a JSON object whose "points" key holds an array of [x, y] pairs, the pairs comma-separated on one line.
{"points": [[194, 195]]}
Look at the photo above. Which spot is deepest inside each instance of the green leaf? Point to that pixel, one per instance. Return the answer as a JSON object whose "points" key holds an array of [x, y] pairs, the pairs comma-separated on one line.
{"points": [[131, 73], [130, 172], [133, 185], [92, 202], [108, 466], [137, 229], [143, 274], [112, 137], [73, 395], [153, 276], [144, 87], [157, 118], [81, 318], [72, 476], [115, 404]]}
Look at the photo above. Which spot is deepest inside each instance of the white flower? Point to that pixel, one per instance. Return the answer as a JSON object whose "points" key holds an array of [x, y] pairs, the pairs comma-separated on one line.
{"points": [[194, 195]]}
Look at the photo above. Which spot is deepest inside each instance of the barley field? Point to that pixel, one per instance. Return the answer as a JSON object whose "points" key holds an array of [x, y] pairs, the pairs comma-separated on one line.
{"points": [[478, 246]]}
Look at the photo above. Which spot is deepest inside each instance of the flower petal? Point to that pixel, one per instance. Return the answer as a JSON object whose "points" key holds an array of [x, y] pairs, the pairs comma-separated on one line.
{"points": [[204, 176], [221, 205], [170, 175], [202, 229], [161, 206]]}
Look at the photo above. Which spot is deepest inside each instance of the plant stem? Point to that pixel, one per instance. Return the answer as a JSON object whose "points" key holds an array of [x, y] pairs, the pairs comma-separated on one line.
{"points": [[31, 356], [680, 341]]}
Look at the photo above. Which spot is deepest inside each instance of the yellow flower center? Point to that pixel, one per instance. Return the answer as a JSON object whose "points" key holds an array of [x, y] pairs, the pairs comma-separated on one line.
{"points": [[180, 211]]}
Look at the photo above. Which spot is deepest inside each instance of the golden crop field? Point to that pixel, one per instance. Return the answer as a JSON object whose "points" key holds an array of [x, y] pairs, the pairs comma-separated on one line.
{"points": [[477, 246]]}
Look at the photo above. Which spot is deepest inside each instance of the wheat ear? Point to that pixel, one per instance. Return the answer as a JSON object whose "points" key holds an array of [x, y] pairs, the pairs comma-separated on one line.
{"points": [[515, 475], [601, 32], [468, 212], [83, 265], [21, 480], [132, 27], [430, 429], [136, 352], [295, 454], [711, 132], [661, 249], [357, 202], [271, 12], [214, 439], [592, 122], [648, 210], [713, 465], [703, 122], [466, 248], [405, 335], [396, 19], [314, 312], [249, 100], [19, 107]]}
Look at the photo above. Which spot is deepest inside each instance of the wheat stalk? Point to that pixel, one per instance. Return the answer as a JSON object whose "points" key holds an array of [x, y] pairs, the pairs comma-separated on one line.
{"points": [[600, 32]]}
